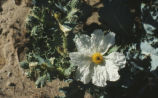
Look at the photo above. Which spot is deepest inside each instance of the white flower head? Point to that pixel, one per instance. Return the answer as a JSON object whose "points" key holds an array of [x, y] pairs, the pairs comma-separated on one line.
{"points": [[91, 62]]}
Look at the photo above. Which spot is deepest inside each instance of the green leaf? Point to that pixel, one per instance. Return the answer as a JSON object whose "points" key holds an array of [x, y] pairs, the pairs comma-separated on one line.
{"points": [[68, 71], [49, 64], [41, 81], [113, 49], [39, 59], [24, 64]]}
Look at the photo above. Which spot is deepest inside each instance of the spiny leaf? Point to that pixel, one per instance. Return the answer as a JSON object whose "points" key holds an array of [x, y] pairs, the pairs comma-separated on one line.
{"points": [[24, 64]]}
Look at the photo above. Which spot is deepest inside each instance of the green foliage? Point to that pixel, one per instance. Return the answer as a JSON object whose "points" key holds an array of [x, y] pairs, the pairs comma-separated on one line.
{"points": [[24, 65], [47, 57], [40, 82], [39, 70]]}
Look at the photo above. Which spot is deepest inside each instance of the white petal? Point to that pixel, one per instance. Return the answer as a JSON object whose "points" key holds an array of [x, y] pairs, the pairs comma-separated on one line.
{"points": [[82, 42], [114, 62], [100, 77], [118, 59], [112, 71], [84, 73], [79, 59], [83, 62], [109, 40], [96, 37], [100, 42]]}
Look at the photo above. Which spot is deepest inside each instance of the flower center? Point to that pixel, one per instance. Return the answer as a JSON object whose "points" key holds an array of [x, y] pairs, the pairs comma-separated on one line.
{"points": [[97, 58]]}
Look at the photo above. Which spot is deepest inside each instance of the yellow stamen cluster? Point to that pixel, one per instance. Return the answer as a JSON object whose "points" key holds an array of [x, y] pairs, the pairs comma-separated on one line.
{"points": [[56, 16], [97, 58]]}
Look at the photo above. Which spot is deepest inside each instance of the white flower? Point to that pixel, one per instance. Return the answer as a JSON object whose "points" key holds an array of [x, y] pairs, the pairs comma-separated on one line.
{"points": [[90, 62]]}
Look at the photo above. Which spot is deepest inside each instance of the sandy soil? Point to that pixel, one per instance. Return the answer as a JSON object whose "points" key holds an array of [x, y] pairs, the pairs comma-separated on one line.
{"points": [[13, 82]]}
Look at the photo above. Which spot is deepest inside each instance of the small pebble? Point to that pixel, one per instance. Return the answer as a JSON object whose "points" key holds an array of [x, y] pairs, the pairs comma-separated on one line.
{"points": [[17, 2], [9, 74], [1, 78], [11, 84]]}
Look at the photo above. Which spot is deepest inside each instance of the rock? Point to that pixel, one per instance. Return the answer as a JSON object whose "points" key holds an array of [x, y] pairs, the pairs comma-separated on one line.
{"points": [[28, 3], [9, 74], [17, 2], [11, 84], [1, 78], [1, 30]]}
